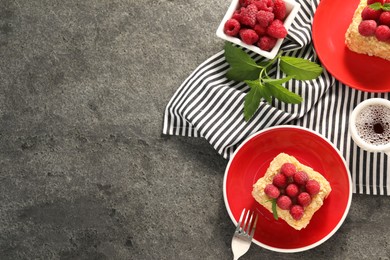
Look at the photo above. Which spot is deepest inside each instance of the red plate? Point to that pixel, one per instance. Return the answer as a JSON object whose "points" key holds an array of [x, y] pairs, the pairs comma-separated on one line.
{"points": [[251, 161], [358, 71]]}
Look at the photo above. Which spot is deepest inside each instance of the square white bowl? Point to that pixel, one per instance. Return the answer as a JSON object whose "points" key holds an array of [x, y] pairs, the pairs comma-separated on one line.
{"points": [[292, 9]]}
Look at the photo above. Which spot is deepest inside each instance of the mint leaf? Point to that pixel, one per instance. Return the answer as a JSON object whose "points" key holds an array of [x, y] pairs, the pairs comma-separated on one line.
{"points": [[252, 99], [274, 211], [242, 66], [240, 75], [283, 94], [278, 81], [376, 6], [300, 68]]}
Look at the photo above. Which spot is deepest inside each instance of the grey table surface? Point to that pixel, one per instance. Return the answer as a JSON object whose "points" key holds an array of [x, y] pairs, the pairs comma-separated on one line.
{"points": [[85, 172]]}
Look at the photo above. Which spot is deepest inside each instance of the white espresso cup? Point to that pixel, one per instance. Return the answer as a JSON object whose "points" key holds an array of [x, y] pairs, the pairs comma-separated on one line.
{"points": [[369, 125]]}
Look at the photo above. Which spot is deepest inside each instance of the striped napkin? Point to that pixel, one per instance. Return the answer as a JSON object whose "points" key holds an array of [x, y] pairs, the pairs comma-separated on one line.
{"points": [[209, 105]]}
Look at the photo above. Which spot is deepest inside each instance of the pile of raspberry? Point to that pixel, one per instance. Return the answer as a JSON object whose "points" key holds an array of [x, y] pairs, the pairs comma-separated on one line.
{"points": [[375, 22], [258, 22], [292, 189]]}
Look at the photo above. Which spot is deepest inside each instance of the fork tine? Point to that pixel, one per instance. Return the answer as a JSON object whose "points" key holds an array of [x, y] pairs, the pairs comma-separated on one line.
{"points": [[253, 226], [240, 220], [247, 222]]}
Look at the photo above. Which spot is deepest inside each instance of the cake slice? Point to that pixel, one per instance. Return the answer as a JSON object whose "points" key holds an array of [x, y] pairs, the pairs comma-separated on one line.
{"points": [[313, 188], [369, 45]]}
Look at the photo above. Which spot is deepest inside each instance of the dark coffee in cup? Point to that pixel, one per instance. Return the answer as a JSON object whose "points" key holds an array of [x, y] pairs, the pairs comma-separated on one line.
{"points": [[373, 124]]}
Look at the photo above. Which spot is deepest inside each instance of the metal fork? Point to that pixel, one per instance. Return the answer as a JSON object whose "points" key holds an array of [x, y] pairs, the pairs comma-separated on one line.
{"points": [[243, 235]]}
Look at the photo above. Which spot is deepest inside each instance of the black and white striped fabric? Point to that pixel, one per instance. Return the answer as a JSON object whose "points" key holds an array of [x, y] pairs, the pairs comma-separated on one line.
{"points": [[209, 105]]}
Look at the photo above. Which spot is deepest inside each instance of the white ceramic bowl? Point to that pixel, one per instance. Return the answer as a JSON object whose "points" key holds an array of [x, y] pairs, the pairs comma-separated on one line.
{"points": [[292, 9], [354, 131]]}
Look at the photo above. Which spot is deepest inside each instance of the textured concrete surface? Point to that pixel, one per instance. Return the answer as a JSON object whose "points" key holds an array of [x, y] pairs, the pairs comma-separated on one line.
{"points": [[85, 172]]}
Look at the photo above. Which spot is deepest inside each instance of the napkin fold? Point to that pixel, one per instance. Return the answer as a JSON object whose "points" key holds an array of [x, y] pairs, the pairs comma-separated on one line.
{"points": [[209, 105]]}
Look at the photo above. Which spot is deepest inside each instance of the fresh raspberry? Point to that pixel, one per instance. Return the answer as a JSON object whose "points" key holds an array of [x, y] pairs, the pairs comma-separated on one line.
{"points": [[292, 190], [367, 27], [288, 169], [284, 202], [384, 18], [266, 43], [232, 27], [270, 5], [264, 18], [265, 5], [277, 29], [374, 1], [248, 15], [248, 36], [260, 30], [271, 191], [370, 14], [312, 187], [279, 180], [300, 178], [304, 199], [382, 33], [296, 212], [237, 14], [279, 9], [245, 2]]}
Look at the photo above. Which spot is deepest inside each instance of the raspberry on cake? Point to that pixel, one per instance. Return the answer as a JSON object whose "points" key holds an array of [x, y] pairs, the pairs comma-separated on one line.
{"points": [[300, 177], [272, 191], [298, 201], [279, 180], [288, 169], [292, 190], [367, 27], [284, 202], [369, 31]]}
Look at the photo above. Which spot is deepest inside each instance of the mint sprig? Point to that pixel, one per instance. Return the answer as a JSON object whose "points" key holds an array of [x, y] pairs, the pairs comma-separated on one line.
{"points": [[262, 86], [378, 6], [274, 211]]}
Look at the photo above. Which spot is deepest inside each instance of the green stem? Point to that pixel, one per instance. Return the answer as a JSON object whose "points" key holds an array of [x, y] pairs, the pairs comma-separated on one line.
{"points": [[264, 69]]}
